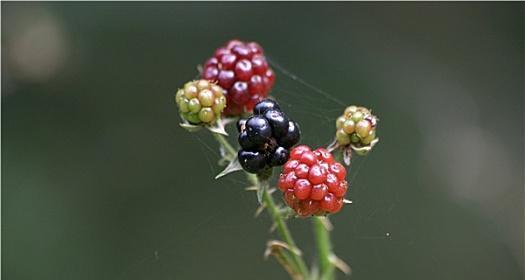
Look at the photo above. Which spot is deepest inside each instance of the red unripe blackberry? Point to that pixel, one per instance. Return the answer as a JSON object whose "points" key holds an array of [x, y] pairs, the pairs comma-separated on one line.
{"points": [[319, 191], [242, 70], [308, 158], [329, 203], [298, 151], [287, 181], [316, 175], [302, 170], [312, 182], [339, 170], [302, 189], [324, 155], [308, 208], [290, 166]]}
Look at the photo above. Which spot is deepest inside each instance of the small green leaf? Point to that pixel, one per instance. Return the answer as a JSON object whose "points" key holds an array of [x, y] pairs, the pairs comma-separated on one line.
{"points": [[190, 127], [218, 128], [232, 167], [365, 149], [263, 186], [226, 121]]}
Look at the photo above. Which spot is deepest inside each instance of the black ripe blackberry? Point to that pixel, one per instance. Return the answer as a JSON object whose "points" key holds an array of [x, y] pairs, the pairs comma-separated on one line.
{"points": [[266, 137]]}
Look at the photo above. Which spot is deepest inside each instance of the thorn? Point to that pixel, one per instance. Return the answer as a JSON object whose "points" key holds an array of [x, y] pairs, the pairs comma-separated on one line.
{"points": [[334, 145], [347, 156], [326, 223], [340, 264], [251, 188], [272, 190], [346, 201], [282, 210], [259, 210], [276, 245], [272, 246], [219, 129], [272, 228]]}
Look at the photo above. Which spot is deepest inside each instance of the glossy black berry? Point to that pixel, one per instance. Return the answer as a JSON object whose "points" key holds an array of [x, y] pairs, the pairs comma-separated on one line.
{"points": [[278, 121], [278, 157], [240, 124], [291, 137], [250, 161], [264, 106], [266, 138], [258, 129], [245, 142]]}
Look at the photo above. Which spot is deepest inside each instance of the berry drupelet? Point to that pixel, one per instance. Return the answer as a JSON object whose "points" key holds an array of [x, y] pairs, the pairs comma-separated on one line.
{"points": [[242, 70], [266, 137], [200, 102], [357, 128], [312, 182]]}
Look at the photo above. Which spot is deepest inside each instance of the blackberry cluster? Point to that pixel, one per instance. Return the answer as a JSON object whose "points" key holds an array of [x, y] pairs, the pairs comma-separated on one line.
{"points": [[200, 102], [266, 137], [356, 127], [312, 182], [242, 70]]}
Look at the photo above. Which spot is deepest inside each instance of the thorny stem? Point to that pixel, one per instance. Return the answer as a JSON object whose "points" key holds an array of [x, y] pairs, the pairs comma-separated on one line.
{"points": [[324, 248], [283, 230], [294, 256], [284, 259], [224, 143]]}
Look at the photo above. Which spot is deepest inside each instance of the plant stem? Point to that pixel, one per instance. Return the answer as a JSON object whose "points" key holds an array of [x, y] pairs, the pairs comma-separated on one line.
{"points": [[283, 258], [269, 203], [226, 145], [324, 248], [283, 230]]}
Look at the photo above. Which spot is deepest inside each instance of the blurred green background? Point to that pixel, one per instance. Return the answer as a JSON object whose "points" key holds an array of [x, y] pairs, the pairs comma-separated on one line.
{"points": [[100, 182]]}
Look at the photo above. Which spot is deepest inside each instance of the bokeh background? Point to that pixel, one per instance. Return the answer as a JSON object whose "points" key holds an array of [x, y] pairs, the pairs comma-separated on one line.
{"points": [[100, 182]]}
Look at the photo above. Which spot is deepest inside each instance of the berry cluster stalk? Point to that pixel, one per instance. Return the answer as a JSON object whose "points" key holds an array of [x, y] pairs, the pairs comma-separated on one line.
{"points": [[324, 247], [291, 260]]}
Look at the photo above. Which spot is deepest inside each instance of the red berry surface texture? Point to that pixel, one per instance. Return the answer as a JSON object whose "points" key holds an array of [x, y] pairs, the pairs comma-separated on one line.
{"points": [[241, 69], [312, 182]]}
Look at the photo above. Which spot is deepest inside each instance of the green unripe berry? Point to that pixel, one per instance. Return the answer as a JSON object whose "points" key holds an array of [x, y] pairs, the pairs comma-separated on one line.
{"points": [[349, 126], [192, 118], [217, 90], [203, 84], [219, 104], [179, 96], [340, 121], [194, 105], [206, 97], [368, 139], [201, 102], [356, 130], [184, 105], [354, 138], [342, 138], [190, 90], [350, 110], [206, 115], [357, 116], [363, 128]]}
